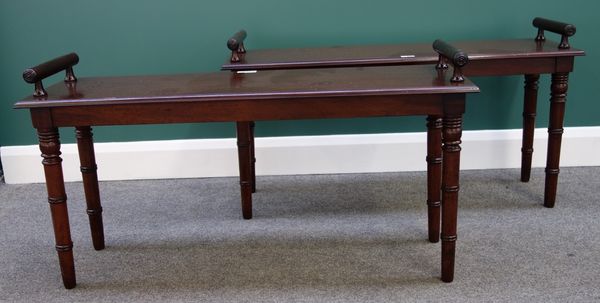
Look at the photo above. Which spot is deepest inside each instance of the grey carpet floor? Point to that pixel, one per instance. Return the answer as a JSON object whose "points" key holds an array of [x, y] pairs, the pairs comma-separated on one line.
{"points": [[325, 238]]}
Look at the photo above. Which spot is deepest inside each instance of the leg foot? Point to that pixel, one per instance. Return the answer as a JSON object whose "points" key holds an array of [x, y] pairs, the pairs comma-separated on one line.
{"points": [[452, 130], [434, 176], [57, 198], [87, 158], [558, 99], [529, 113], [252, 157], [244, 155]]}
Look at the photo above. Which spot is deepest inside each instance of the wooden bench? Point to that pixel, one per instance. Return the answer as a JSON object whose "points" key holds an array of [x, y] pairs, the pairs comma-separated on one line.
{"points": [[529, 57], [223, 96]]}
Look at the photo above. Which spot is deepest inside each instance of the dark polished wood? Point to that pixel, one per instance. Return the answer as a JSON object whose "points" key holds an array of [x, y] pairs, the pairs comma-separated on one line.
{"points": [[264, 88], [87, 158], [397, 54], [529, 113], [455, 55], [57, 198], [40, 72], [434, 178], [451, 134], [449, 53], [265, 95], [486, 58], [252, 156], [564, 29], [558, 99], [560, 28], [245, 157], [236, 45]]}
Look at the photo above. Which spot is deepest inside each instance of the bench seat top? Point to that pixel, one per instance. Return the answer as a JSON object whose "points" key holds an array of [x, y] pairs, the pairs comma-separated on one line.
{"points": [[272, 84], [394, 54]]}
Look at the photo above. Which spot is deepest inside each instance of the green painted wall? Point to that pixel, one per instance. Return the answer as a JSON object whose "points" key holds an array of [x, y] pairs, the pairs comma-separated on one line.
{"points": [[116, 37]]}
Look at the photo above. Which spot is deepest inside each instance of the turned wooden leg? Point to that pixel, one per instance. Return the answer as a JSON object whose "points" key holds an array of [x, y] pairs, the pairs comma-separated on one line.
{"points": [[244, 155], [434, 176], [529, 112], [452, 131], [558, 99], [87, 158], [252, 157], [50, 148]]}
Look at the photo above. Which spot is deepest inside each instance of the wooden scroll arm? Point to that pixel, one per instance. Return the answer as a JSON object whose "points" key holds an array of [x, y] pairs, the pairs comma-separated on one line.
{"points": [[564, 29], [38, 73], [449, 53], [236, 45]]}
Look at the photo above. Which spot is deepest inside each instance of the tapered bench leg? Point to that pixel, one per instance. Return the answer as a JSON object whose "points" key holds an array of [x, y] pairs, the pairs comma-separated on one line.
{"points": [[558, 99], [87, 158], [434, 176], [244, 155], [252, 157], [50, 148], [529, 113], [452, 130]]}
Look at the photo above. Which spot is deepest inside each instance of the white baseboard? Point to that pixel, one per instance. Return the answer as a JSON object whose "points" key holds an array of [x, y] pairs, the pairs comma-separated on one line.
{"points": [[298, 155]]}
